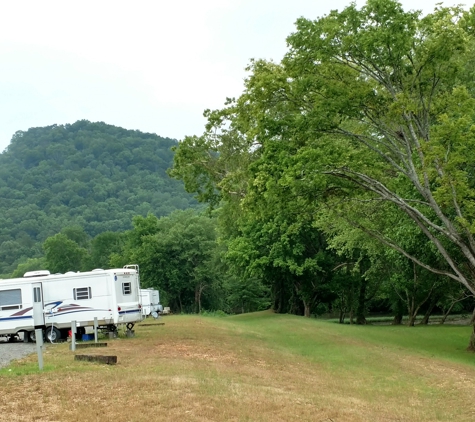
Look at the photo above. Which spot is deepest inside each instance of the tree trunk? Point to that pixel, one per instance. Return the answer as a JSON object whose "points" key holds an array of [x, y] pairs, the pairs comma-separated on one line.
{"points": [[472, 320], [197, 299], [398, 312], [278, 298], [360, 310], [471, 345], [430, 309], [397, 320], [412, 319], [198, 292], [444, 317], [412, 310], [342, 316], [306, 312], [461, 297], [410, 299]]}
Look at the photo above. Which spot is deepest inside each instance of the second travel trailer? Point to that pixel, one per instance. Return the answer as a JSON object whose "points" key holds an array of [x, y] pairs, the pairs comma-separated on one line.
{"points": [[150, 300], [52, 301]]}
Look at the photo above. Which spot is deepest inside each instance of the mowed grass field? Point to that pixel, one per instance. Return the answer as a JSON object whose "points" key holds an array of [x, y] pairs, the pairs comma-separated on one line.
{"points": [[253, 367]]}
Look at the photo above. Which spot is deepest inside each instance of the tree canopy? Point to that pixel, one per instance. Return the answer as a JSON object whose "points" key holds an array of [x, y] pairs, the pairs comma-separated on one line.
{"points": [[92, 175], [366, 125]]}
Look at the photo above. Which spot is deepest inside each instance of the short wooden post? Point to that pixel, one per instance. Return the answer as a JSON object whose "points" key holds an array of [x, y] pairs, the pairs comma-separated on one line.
{"points": [[89, 345]]}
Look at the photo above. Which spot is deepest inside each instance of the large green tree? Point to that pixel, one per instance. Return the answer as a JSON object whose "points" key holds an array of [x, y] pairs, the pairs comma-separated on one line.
{"points": [[176, 254], [63, 254], [376, 109], [388, 97]]}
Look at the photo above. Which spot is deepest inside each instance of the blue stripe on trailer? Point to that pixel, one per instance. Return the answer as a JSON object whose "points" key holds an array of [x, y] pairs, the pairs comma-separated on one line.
{"points": [[129, 312], [52, 315], [15, 318]]}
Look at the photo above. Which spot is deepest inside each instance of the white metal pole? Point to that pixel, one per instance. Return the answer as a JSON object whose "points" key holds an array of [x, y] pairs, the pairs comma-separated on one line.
{"points": [[73, 333], [39, 346]]}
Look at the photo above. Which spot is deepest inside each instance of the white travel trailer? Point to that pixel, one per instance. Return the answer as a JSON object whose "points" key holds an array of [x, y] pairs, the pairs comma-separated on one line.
{"points": [[150, 300], [53, 301]]}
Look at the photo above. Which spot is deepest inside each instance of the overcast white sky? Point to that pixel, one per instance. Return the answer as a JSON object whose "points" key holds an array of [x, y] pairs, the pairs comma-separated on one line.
{"points": [[151, 65]]}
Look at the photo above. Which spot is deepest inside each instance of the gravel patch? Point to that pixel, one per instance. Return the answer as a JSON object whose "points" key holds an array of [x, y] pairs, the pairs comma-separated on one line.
{"points": [[14, 351]]}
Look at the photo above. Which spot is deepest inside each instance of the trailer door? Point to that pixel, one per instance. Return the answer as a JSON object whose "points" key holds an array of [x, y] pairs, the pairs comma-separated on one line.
{"points": [[38, 305]]}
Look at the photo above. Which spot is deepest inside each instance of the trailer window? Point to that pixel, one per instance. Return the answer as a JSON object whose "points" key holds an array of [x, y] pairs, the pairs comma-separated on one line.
{"points": [[36, 294], [81, 293], [10, 299], [127, 288]]}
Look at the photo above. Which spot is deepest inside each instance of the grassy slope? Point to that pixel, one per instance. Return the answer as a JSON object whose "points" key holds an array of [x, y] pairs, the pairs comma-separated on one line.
{"points": [[256, 367]]}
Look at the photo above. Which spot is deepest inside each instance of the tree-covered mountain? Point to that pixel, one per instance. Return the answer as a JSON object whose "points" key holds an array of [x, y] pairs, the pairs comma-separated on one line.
{"points": [[94, 175]]}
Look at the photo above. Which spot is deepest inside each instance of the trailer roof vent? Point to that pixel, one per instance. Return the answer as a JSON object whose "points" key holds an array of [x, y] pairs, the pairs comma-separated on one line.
{"points": [[39, 273]]}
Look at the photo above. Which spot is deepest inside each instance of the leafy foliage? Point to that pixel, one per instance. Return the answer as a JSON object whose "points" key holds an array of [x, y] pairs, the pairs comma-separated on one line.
{"points": [[63, 254], [362, 138], [92, 175], [178, 255]]}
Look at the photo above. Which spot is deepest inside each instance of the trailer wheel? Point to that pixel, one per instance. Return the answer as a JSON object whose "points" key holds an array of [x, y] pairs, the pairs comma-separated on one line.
{"points": [[32, 336], [53, 334]]}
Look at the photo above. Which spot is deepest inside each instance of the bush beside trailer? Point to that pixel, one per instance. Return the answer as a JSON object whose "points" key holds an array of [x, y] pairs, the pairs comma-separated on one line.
{"points": [[52, 301]]}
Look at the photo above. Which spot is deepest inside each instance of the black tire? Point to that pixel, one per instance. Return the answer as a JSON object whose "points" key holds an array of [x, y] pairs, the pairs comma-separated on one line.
{"points": [[32, 336], [53, 334]]}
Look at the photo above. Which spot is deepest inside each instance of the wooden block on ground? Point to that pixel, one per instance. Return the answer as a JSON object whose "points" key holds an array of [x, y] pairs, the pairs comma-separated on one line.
{"points": [[150, 325], [108, 360], [86, 345]]}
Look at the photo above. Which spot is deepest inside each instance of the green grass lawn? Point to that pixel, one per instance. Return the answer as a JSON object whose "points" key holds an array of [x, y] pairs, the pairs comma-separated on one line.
{"points": [[253, 367], [309, 337]]}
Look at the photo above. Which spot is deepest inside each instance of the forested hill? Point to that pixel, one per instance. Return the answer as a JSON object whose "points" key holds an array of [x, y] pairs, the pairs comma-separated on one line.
{"points": [[94, 175]]}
